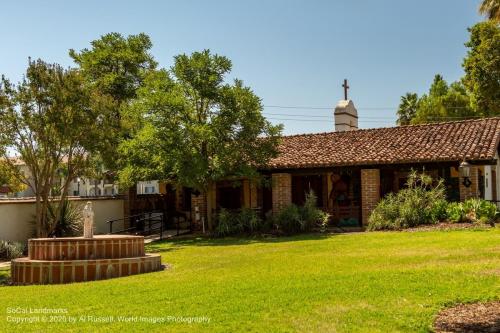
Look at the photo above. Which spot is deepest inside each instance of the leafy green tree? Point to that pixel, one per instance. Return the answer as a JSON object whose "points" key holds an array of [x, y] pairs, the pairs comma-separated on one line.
{"points": [[407, 108], [53, 121], [482, 68], [443, 102], [194, 128], [116, 66], [477, 94], [491, 9], [9, 177], [439, 87]]}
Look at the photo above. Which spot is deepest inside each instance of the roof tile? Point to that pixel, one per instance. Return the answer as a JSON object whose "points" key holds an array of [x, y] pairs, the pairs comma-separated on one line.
{"points": [[449, 141]]}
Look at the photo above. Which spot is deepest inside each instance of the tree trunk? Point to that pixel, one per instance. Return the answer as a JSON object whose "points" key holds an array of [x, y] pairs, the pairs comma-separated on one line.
{"points": [[38, 215], [62, 197]]}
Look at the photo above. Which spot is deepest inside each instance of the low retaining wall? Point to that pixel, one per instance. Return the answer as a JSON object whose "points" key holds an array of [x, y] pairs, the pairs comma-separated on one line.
{"points": [[25, 271], [17, 216]]}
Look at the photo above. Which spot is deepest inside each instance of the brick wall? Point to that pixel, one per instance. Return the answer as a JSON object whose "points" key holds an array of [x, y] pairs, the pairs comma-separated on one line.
{"points": [[473, 190], [282, 191], [199, 201], [370, 192]]}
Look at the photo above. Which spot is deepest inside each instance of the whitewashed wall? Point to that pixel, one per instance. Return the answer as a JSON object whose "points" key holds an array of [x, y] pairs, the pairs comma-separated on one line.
{"points": [[16, 216]]}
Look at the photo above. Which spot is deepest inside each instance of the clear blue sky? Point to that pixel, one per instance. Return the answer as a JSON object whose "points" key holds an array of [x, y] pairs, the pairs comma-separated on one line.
{"points": [[292, 53]]}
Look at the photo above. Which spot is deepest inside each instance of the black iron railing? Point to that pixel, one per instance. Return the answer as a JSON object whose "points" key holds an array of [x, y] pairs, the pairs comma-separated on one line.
{"points": [[141, 224]]}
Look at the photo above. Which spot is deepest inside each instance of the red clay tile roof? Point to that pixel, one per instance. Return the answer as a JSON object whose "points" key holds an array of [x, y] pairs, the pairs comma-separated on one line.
{"points": [[473, 140], [4, 189]]}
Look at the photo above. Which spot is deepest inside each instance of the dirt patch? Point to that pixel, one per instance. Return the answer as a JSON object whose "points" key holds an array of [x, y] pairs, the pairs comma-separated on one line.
{"points": [[448, 226], [469, 318]]}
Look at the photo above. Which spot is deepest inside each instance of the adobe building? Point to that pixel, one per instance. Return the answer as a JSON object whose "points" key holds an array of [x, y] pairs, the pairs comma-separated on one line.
{"points": [[351, 169]]}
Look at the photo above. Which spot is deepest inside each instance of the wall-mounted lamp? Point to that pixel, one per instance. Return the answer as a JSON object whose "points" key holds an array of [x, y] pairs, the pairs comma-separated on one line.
{"points": [[465, 173]]}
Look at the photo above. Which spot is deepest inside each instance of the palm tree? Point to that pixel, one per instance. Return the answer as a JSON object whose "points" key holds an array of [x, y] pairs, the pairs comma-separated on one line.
{"points": [[491, 9], [407, 108]]}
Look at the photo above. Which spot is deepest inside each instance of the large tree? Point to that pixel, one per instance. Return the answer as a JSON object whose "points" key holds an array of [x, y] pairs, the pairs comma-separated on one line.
{"points": [[482, 68], [117, 66], [194, 128], [52, 121], [443, 102]]}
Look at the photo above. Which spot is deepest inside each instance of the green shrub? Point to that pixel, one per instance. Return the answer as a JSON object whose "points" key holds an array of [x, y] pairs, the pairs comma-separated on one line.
{"points": [[225, 223], [289, 220], [419, 203], [249, 220], [455, 212], [439, 210], [478, 210], [294, 219], [11, 250], [233, 223], [311, 214]]}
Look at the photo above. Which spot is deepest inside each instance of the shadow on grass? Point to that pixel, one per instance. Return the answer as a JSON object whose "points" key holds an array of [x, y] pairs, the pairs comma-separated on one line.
{"points": [[169, 245]]}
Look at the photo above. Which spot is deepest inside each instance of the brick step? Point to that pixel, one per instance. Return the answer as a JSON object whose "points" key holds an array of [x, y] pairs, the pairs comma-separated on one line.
{"points": [[79, 248], [28, 271]]}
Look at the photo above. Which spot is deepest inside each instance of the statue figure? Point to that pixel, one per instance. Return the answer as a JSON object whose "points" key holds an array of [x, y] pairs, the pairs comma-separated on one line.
{"points": [[88, 221]]}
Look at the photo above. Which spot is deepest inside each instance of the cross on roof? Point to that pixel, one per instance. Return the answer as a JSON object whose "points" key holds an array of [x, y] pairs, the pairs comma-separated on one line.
{"points": [[345, 89]]}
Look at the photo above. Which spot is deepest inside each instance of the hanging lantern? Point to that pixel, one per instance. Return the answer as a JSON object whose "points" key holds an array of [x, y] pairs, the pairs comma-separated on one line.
{"points": [[464, 169], [465, 173]]}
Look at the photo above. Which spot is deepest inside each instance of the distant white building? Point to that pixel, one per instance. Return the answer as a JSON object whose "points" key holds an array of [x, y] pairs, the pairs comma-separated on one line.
{"points": [[79, 186], [148, 187], [92, 187]]}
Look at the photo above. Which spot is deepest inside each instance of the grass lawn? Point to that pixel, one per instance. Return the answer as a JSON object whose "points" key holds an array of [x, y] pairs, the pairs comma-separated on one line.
{"points": [[363, 282]]}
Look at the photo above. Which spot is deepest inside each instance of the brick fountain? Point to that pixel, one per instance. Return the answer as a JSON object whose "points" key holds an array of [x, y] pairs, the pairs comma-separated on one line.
{"points": [[87, 258]]}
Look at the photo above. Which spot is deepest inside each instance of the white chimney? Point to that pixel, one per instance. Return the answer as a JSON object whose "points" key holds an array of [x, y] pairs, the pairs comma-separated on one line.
{"points": [[346, 116]]}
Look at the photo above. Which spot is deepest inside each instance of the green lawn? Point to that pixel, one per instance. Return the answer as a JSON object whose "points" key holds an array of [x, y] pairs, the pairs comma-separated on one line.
{"points": [[363, 282]]}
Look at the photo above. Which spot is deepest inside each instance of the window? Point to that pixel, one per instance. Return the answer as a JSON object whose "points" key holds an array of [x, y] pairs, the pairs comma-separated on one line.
{"points": [[229, 197], [149, 190]]}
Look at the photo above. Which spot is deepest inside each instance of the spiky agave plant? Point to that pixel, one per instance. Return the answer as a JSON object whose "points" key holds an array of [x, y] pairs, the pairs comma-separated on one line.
{"points": [[70, 222]]}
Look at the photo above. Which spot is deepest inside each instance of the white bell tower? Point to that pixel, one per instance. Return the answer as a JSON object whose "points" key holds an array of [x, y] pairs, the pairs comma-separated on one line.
{"points": [[345, 114]]}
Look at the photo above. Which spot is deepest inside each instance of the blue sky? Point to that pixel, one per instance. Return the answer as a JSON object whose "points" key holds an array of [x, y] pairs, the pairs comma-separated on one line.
{"points": [[292, 53]]}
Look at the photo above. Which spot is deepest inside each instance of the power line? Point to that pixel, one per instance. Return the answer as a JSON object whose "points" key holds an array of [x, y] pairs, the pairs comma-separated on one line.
{"points": [[367, 117], [317, 116], [358, 108], [328, 121], [323, 107]]}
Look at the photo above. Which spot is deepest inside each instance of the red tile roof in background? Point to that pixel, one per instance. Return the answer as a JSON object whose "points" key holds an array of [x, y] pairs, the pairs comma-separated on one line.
{"points": [[4, 189], [473, 140]]}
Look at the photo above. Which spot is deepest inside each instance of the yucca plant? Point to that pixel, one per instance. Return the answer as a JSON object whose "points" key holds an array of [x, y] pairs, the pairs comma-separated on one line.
{"points": [[70, 222]]}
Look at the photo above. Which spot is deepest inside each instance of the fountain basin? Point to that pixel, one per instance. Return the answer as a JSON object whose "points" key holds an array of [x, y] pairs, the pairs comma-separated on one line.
{"points": [[78, 248], [27, 271], [78, 259]]}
